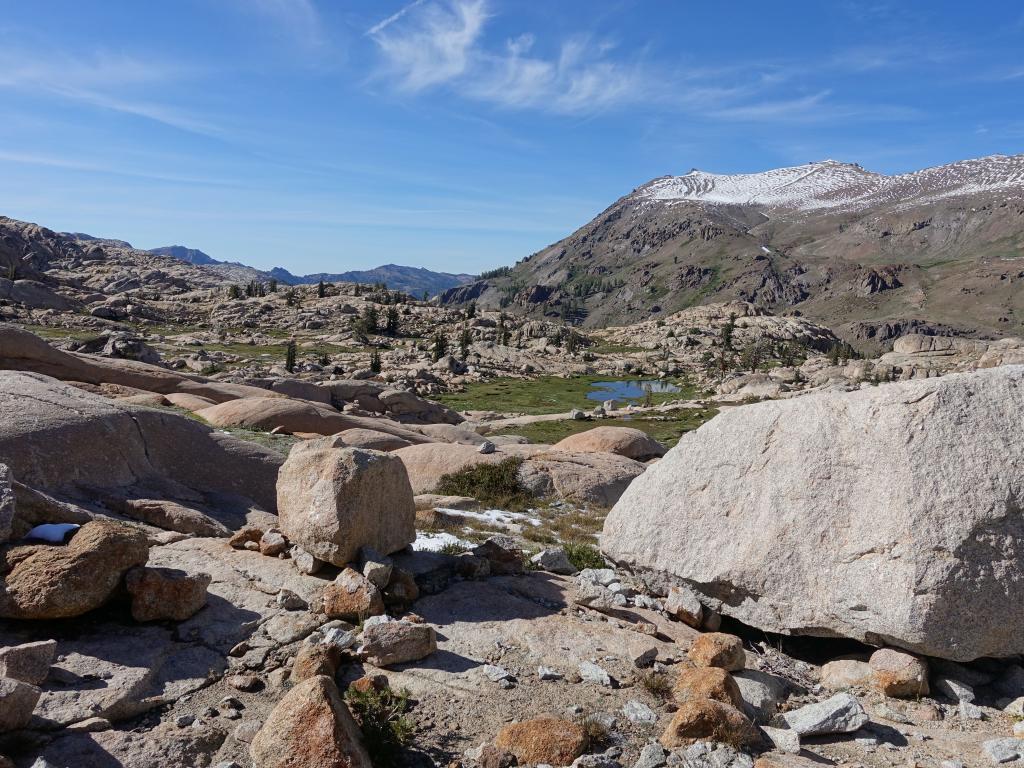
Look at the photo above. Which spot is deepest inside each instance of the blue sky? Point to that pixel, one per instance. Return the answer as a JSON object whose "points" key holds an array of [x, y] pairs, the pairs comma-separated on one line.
{"points": [[465, 134]]}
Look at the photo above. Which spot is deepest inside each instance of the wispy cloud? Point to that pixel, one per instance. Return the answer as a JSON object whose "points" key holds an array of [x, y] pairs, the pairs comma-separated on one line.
{"points": [[69, 164], [380, 26], [111, 81], [299, 19]]}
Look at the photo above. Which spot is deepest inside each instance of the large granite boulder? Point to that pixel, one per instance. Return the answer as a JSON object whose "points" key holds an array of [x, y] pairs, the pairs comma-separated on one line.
{"points": [[891, 515], [57, 437], [310, 726], [41, 581], [624, 441], [333, 500]]}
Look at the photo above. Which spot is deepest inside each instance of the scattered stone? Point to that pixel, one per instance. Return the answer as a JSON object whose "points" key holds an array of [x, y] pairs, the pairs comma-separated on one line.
{"points": [[17, 700], [717, 649], [543, 740], [969, 711], [684, 605], [841, 713], [305, 562], [352, 597], [554, 560], [6, 504], [368, 683], [310, 726], [56, 582], [592, 673], [273, 543], [888, 712], [707, 683], [1005, 750], [783, 739], [184, 721], [402, 589], [90, 725], [602, 576], [244, 682], [29, 662], [638, 712], [486, 447], [703, 719], [247, 535], [954, 689], [843, 674], [503, 554], [315, 660], [898, 674], [398, 642], [546, 673], [495, 673], [291, 601], [332, 500], [761, 693], [376, 567], [166, 593], [651, 756]]}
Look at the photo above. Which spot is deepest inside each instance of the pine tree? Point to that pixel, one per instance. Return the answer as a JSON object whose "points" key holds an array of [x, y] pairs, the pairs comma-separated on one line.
{"points": [[375, 361], [465, 340], [289, 356], [391, 322], [272, 285], [321, 290], [471, 310], [370, 318], [440, 346], [234, 292]]}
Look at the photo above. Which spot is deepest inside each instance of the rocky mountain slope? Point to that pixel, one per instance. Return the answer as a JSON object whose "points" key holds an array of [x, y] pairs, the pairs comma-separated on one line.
{"points": [[870, 255]]}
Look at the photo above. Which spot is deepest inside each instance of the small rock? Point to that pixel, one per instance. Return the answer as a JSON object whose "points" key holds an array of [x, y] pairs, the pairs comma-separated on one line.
{"points": [[503, 554], [247, 683], [1003, 750], [592, 673], [888, 712], [841, 713], [704, 719], [577, 415], [273, 543], [246, 535], [683, 604], [707, 683], [546, 673], [899, 674], [494, 673], [291, 601], [969, 711], [638, 712], [351, 596], [601, 576], [29, 662], [17, 700], [554, 560], [90, 725], [717, 649], [305, 562], [485, 447], [376, 567], [651, 756], [314, 660], [843, 674], [166, 593], [543, 740], [398, 642], [783, 739], [340, 638], [183, 721], [954, 689]]}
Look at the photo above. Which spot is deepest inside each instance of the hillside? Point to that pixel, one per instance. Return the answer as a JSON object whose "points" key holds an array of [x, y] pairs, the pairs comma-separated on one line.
{"points": [[870, 255]]}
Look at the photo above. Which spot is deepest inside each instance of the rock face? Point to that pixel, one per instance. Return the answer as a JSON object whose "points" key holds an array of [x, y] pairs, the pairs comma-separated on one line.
{"points": [[906, 495], [625, 441], [54, 582], [105, 444], [310, 728], [334, 500]]}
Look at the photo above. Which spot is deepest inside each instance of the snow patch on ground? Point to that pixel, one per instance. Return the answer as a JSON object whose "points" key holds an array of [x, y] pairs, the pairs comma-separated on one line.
{"points": [[493, 516], [435, 542]]}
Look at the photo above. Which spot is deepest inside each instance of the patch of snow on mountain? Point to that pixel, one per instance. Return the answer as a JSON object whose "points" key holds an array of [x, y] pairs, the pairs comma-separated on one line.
{"points": [[831, 184]]}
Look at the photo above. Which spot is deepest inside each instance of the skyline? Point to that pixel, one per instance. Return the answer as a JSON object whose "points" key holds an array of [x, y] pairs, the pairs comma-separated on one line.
{"points": [[460, 135]]}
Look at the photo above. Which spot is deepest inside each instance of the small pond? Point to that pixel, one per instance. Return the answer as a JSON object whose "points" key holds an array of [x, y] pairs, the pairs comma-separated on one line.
{"points": [[628, 390]]}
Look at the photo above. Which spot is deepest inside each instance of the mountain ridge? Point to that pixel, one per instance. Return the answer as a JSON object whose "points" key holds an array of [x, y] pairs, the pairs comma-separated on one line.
{"points": [[866, 254]]}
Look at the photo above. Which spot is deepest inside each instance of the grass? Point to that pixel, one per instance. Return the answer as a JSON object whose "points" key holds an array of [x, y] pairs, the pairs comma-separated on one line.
{"points": [[583, 555], [544, 394], [495, 485], [658, 684], [381, 718], [665, 429]]}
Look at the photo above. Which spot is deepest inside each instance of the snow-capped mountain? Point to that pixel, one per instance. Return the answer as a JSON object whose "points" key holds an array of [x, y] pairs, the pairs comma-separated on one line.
{"points": [[832, 184], [869, 254]]}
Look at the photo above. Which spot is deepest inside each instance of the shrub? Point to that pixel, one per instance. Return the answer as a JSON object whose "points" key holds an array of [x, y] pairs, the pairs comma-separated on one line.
{"points": [[658, 684], [583, 555], [496, 485], [381, 718]]}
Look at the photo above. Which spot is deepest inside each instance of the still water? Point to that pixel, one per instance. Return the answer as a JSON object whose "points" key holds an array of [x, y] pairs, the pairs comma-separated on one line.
{"points": [[628, 390]]}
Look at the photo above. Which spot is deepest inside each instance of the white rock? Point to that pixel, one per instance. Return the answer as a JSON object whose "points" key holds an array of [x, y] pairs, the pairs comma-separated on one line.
{"points": [[756, 504], [638, 712], [592, 673], [783, 739], [841, 713]]}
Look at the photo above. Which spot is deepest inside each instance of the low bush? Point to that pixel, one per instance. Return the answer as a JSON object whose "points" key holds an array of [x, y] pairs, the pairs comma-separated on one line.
{"points": [[496, 485], [381, 718]]}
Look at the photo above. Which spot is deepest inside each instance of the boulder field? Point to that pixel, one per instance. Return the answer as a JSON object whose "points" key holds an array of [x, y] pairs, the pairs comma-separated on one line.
{"points": [[891, 515]]}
